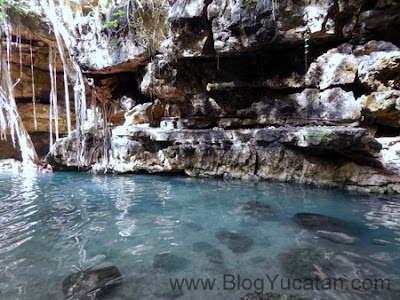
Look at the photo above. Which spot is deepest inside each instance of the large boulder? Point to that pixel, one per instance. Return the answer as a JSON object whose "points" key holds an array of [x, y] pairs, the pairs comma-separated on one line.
{"points": [[334, 68], [380, 70]]}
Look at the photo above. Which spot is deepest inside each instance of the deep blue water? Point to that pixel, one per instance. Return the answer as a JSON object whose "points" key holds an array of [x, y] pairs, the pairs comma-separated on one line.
{"points": [[52, 225]]}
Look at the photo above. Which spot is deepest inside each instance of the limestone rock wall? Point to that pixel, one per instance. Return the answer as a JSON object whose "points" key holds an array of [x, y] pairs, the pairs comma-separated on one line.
{"points": [[287, 90]]}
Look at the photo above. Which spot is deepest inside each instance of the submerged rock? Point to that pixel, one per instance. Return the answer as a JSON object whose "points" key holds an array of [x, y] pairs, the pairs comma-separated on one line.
{"points": [[214, 254], [89, 284], [236, 241], [260, 211], [274, 296], [337, 237], [320, 222], [169, 262], [168, 293], [307, 263], [193, 226]]}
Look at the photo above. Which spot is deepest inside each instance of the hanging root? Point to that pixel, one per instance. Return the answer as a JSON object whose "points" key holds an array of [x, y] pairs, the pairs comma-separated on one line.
{"points": [[8, 106]]}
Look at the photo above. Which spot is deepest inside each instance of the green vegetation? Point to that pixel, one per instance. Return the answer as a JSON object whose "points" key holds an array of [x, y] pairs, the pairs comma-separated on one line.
{"points": [[118, 13], [143, 21], [253, 4], [113, 23], [319, 134], [9, 8]]}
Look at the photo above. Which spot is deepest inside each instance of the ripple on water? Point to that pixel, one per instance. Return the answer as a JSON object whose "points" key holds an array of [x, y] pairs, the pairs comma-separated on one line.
{"points": [[156, 228]]}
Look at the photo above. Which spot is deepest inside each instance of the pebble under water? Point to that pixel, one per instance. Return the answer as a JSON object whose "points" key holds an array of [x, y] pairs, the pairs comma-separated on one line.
{"points": [[164, 231]]}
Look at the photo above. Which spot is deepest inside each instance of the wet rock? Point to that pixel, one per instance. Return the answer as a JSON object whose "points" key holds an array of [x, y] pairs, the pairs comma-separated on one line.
{"points": [[260, 211], [89, 284], [307, 263], [236, 241], [286, 153], [169, 262], [337, 237], [214, 254], [320, 222]]}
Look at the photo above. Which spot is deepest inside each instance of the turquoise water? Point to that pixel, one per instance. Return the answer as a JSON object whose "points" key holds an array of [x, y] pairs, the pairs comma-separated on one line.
{"points": [[52, 225]]}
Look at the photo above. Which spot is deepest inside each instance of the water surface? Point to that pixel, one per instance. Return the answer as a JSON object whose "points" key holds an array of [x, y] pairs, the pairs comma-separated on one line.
{"points": [[52, 225]]}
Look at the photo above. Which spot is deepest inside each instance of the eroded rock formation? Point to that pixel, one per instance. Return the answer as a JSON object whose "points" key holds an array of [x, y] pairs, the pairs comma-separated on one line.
{"points": [[290, 90]]}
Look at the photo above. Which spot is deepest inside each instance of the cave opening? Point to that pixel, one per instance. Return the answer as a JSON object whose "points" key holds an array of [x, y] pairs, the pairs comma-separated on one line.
{"points": [[387, 131]]}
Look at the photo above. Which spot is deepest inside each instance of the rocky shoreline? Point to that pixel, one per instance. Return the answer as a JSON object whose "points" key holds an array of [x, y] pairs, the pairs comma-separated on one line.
{"points": [[342, 157]]}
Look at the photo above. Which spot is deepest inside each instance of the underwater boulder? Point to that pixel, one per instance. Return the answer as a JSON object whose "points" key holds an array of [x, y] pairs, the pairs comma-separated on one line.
{"points": [[169, 262], [260, 211], [193, 226], [236, 241], [307, 263], [274, 296], [89, 284], [316, 222], [213, 254]]}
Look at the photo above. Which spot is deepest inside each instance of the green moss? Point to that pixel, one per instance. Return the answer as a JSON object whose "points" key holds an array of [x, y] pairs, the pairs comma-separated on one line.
{"points": [[319, 134]]}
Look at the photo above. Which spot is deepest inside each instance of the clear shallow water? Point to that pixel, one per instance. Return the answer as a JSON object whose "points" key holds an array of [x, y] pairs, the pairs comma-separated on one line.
{"points": [[52, 225]]}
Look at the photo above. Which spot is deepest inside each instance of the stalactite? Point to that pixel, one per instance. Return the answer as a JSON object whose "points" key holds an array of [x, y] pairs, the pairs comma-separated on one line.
{"points": [[33, 87]]}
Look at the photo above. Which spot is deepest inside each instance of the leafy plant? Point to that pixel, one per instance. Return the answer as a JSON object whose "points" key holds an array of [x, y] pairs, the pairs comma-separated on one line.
{"points": [[118, 13], [113, 23]]}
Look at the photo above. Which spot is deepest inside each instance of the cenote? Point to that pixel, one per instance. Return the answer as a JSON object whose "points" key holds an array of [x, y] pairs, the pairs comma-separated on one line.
{"points": [[159, 229]]}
